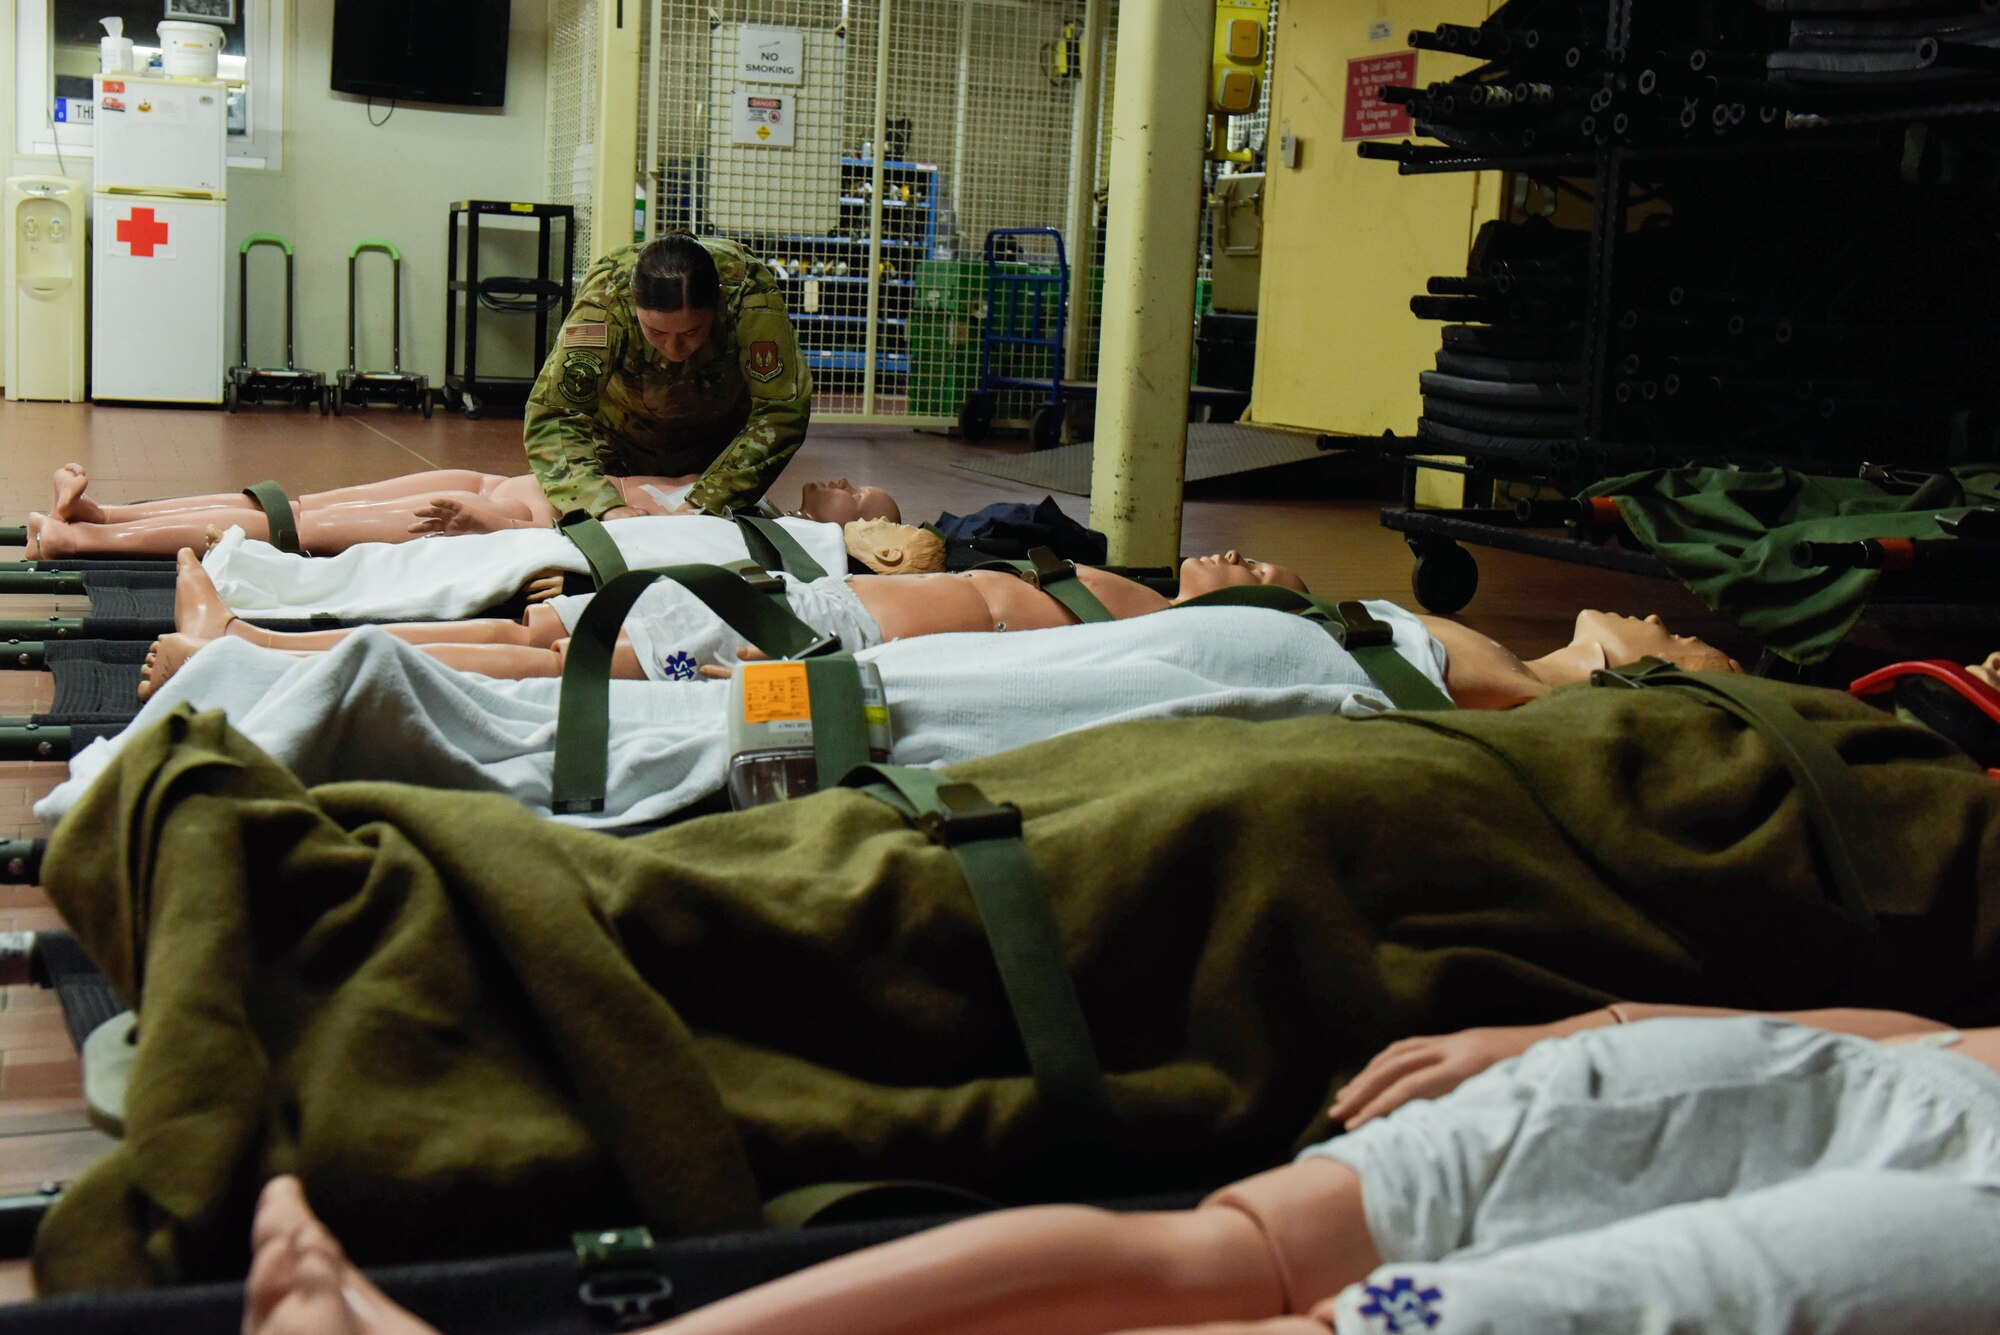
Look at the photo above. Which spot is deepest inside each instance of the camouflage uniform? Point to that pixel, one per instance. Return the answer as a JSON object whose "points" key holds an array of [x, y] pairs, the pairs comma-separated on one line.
{"points": [[607, 403]]}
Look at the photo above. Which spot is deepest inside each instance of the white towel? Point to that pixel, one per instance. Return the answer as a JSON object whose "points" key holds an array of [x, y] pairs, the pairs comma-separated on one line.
{"points": [[443, 579], [376, 708]]}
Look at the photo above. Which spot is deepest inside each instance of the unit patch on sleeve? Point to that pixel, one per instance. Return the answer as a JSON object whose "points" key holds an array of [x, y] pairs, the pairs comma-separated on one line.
{"points": [[580, 374], [587, 335], [764, 363]]}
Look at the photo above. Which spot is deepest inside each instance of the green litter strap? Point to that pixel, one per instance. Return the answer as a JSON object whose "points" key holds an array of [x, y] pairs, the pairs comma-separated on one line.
{"points": [[583, 724], [1835, 802], [985, 838], [277, 508], [599, 551], [774, 549], [839, 717], [1399, 679], [1058, 579]]}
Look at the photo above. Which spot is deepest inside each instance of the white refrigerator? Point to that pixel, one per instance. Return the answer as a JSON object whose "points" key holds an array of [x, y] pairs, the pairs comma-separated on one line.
{"points": [[159, 244]]}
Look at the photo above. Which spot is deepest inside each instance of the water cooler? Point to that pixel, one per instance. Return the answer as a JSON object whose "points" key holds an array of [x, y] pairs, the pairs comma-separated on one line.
{"points": [[44, 276]]}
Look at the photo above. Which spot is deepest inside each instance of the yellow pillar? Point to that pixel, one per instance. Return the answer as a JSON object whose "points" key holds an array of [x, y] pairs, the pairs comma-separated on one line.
{"points": [[1080, 227], [1152, 239], [616, 157]]}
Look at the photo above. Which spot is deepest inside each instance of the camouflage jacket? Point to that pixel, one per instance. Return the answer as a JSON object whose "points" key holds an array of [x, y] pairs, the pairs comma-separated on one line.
{"points": [[607, 403]]}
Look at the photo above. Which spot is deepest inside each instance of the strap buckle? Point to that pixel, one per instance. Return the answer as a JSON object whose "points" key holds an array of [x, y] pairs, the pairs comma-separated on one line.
{"points": [[968, 817], [761, 581], [1048, 568], [619, 1279], [825, 644], [1363, 630]]}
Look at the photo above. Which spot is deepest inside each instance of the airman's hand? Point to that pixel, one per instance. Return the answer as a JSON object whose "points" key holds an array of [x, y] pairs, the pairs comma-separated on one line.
{"points": [[621, 512]]}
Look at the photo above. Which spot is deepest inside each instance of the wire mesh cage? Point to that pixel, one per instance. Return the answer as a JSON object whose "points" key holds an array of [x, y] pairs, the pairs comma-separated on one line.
{"points": [[866, 167], [572, 108]]}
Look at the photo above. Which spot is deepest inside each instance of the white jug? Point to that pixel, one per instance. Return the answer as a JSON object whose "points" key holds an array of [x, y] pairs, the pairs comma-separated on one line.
{"points": [[190, 50], [114, 49]]}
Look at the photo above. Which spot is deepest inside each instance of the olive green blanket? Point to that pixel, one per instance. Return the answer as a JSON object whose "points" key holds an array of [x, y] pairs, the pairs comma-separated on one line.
{"points": [[471, 1031], [1728, 534]]}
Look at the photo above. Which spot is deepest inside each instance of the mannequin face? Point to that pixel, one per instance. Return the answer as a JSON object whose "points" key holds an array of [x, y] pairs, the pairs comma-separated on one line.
{"points": [[889, 548], [1206, 574], [1628, 639], [675, 335], [841, 502], [1988, 672]]}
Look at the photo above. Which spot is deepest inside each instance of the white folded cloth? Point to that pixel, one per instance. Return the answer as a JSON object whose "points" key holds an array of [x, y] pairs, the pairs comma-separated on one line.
{"points": [[443, 579]]}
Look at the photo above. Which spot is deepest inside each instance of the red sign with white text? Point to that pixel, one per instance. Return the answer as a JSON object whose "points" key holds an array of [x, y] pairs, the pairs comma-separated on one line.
{"points": [[1368, 117]]}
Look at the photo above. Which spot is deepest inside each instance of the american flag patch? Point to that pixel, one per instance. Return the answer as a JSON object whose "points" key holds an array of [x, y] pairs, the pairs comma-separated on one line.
{"points": [[584, 335]]}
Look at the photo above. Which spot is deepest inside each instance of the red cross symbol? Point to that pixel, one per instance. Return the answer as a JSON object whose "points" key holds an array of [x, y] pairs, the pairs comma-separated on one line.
{"points": [[143, 232]]}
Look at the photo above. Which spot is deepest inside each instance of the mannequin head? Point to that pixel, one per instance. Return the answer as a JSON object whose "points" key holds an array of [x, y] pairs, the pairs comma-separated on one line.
{"points": [[1625, 640], [1988, 672], [1206, 574], [675, 290], [894, 549], [841, 502]]}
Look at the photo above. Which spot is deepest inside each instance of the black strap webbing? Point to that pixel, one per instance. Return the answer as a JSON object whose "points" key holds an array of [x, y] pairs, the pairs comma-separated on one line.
{"points": [[583, 725], [1057, 578], [1835, 803], [1371, 642], [985, 838], [277, 508], [774, 549], [606, 561]]}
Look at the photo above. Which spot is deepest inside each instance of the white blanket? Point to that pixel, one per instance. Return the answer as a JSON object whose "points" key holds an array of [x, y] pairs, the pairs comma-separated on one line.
{"points": [[375, 708], [443, 579]]}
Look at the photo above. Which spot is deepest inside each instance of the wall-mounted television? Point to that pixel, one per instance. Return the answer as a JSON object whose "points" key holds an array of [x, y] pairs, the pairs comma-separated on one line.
{"points": [[448, 51]]}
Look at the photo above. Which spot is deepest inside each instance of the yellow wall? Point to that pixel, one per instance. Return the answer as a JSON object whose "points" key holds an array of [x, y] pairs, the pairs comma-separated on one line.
{"points": [[1347, 243]]}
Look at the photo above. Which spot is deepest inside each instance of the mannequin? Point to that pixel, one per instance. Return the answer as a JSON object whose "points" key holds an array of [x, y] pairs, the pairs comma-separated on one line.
{"points": [[1287, 1251], [445, 502], [1481, 674]]}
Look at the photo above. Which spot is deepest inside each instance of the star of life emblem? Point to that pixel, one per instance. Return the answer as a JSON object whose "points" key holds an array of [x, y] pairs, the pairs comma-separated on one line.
{"points": [[1402, 1306], [678, 666]]}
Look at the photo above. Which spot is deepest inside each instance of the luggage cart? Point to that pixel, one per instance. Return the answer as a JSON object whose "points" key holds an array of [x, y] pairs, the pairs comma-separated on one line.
{"points": [[395, 387], [1027, 307], [268, 384]]}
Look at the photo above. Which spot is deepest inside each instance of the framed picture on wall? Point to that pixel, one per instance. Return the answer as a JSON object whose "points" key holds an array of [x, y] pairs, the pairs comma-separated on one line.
{"points": [[205, 11]]}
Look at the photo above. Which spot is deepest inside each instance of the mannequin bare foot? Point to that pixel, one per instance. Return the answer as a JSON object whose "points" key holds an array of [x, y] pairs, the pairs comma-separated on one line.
{"points": [[168, 655], [49, 537], [300, 1281], [199, 611], [71, 503]]}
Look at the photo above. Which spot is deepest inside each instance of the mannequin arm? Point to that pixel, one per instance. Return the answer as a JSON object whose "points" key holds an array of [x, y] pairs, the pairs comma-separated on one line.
{"points": [[1431, 1067]]}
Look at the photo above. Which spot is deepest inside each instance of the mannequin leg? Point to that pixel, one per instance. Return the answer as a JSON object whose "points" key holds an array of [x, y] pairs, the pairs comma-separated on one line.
{"points": [[158, 535], [405, 487], [73, 503]]}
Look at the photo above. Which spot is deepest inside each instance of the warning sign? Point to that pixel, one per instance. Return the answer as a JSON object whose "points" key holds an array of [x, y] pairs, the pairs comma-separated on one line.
{"points": [[1368, 117], [765, 119]]}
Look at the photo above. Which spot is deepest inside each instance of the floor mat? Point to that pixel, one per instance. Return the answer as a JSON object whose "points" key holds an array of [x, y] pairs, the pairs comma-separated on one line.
{"points": [[1214, 449]]}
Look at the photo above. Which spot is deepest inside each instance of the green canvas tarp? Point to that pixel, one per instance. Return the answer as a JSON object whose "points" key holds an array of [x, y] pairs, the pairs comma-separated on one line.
{"points": [[471, 1031], [1728, 535]]}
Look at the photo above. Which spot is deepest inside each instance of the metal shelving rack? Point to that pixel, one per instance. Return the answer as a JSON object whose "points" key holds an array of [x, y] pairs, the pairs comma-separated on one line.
{"points": [[1446, 574], [546, 297]]}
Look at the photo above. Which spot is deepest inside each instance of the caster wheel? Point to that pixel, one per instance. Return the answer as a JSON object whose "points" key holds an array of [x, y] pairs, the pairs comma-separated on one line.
{"points": [[336, 400], [424, 406], [325, 397], [975, 417], [1046, 431], [229, 397], [474, 409], [1445, 578]]}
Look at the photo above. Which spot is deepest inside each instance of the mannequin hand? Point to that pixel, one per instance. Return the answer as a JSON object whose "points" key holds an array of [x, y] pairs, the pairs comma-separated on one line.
{"points": [[1429, 1068], [447, 516], [620, 512], [750, 653], [713, 672], [543, 585]]}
